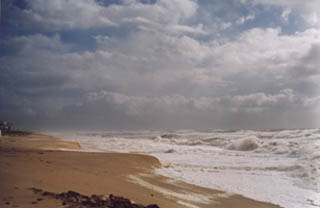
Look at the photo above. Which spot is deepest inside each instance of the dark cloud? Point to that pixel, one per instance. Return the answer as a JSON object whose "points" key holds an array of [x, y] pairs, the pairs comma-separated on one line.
{"points": [[309, 64]]}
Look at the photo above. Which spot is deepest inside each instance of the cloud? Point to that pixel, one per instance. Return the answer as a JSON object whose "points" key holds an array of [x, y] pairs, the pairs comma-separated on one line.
{"points": [[308, 64], [226, 25], [261, 100], [285, 14], [143, 73], [139, 105], [160, 66], [242, 20], [59, 15], [312, 102], [37, 43], [310, 10]]}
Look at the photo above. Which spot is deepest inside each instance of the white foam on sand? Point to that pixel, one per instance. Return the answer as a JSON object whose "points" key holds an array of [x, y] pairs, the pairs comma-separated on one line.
{"points": [[186, 204], [69, 150], [186, 197]]}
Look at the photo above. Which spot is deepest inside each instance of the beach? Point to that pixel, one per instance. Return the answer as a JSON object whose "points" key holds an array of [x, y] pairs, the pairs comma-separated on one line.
{"points": [[36, 161]]}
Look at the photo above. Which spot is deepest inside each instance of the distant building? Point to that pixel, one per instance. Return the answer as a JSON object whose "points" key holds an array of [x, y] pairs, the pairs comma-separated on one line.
{"points": [[5, 127]]}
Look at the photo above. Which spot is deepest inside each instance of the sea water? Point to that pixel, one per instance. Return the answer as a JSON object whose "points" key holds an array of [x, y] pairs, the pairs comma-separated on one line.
{"points": [[277, 166]]}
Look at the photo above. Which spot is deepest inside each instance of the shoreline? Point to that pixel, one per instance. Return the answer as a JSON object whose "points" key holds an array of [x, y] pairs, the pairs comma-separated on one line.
{"points": [[35, 161]]}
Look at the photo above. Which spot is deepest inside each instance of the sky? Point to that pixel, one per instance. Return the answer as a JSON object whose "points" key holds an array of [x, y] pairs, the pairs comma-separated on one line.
{"points": [[160, 64]]}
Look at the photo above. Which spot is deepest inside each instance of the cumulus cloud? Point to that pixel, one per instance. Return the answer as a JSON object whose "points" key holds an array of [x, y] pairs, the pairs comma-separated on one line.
{"points": [[242, 19], [160, 68], [310, 10]]}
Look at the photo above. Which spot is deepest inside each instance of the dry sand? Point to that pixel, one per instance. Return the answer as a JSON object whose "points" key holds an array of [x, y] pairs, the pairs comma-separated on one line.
{"points": [[34, 161]]}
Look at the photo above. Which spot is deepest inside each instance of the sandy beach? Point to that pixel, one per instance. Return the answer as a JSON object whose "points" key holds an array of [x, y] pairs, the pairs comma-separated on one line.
{"points": [[36, 161]]}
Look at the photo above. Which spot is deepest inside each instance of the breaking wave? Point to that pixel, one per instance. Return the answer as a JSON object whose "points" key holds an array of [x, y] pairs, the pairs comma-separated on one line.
{"points": [[246, 144], [288, 158]]}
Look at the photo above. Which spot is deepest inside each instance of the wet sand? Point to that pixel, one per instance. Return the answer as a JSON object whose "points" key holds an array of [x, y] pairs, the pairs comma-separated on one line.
{"points": [[35, 161]]}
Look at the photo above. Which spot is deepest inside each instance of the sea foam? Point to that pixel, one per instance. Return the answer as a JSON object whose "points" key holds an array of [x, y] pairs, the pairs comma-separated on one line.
{"points": [[277, 166], [245, 144]]}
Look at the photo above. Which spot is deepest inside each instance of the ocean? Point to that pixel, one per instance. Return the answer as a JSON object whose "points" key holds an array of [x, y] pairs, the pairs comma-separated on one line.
{"points": [[277, 166]]}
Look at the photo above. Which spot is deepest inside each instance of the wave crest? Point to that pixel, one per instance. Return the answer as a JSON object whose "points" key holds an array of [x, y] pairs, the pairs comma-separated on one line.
{"points": [[246, 144]]}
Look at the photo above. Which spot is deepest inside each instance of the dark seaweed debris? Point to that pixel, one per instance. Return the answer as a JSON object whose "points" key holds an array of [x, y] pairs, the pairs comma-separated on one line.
{"points": [[72, 199]]}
